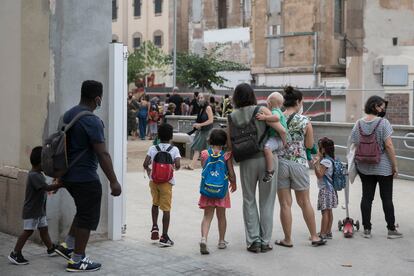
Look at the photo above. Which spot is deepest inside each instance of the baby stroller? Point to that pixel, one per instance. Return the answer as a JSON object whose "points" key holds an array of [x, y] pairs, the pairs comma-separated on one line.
{"points": [[347, 225]]}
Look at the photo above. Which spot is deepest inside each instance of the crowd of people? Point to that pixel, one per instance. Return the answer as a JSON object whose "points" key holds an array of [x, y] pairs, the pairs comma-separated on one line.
{"points": [[273, 148], [145, 113]]}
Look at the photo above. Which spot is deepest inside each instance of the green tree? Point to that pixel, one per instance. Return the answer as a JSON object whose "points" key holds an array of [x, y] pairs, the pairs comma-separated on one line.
{"points": [[146, 59], [202, 71]]}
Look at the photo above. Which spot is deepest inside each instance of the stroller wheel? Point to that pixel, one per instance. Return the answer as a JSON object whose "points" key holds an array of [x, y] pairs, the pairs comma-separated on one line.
{"points": [[357, 225], [340, 225]]}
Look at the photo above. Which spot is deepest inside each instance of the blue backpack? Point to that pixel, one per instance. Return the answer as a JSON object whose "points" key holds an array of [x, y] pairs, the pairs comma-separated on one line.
{"points": [[214, 177], [338, 180]]}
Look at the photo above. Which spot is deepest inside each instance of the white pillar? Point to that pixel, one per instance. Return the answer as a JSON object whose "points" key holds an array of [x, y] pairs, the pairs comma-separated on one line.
{"points": [[117, 135]]}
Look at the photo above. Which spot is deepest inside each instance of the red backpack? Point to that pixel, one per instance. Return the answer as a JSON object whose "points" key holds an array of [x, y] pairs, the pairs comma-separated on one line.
{"points": [[368, 151], [162, 166]]}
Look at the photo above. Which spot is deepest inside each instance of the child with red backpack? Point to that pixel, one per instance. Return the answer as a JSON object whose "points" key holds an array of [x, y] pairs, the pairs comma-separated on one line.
{"points": [[164, 159], [217, 172]]}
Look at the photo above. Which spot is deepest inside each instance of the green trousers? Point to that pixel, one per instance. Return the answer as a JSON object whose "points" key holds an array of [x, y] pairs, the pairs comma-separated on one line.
{"points": [[258, 223]]}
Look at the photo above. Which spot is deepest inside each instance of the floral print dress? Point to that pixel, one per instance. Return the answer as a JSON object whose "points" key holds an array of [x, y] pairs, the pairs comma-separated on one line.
{"points": [[295, 148]]}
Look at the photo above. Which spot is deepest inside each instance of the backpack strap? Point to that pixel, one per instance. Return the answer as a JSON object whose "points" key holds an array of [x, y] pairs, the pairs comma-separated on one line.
{"points": [[158, 148], [361, 132], [76, 118], [169, 149], [256, 110], [290, 119]]}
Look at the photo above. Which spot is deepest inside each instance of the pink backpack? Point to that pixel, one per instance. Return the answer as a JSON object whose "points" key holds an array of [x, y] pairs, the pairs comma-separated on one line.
{"points": [[368, 151]]}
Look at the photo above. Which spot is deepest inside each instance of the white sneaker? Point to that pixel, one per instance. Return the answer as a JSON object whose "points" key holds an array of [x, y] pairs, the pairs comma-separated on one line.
{"points": [[367, 234], [394, 234]]}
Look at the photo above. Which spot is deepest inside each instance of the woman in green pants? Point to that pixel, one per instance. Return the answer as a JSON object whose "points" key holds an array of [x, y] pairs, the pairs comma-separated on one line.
{"points": [[258, 223]]}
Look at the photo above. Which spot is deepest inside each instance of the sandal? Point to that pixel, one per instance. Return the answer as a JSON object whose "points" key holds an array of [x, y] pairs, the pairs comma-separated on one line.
{"points": [[188, 167], [283, 244], [222, 245], [318, 243]]}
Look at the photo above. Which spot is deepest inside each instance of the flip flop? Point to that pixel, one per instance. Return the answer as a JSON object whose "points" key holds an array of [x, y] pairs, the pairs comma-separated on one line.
{"points": [[188, 167], [283, 244]]}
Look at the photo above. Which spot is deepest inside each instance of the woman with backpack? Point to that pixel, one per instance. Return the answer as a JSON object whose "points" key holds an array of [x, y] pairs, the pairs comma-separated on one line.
{"points": [[293, 169], [202, 127], [375, 162], [242, 128]]}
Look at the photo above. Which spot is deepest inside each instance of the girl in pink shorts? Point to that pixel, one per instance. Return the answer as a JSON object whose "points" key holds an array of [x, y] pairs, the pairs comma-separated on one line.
{"points": [[217, 141]]}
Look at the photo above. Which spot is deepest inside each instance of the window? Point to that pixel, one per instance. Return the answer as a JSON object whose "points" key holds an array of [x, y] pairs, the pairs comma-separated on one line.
{"points": [[339, 17], [222, 14], [137, 8], [114, 10], [158, 6], [115, 38], [136, 40], [158, 39]]}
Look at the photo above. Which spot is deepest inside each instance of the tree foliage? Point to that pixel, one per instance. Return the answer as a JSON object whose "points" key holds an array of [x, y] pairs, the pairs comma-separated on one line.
{"points": [[202, 71], [145, 60]]}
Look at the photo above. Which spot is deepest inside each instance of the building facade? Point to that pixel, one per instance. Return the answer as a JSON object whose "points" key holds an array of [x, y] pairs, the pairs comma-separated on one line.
{"points": [[380, 57], [136, 21], [298, 43]]}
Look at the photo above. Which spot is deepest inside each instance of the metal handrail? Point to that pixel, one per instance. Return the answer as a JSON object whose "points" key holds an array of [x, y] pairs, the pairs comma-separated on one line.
{"points": [[407, 137]]}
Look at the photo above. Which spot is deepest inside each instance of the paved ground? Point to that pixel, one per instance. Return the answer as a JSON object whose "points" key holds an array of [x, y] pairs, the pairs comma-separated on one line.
{"points": [[136, 255]]}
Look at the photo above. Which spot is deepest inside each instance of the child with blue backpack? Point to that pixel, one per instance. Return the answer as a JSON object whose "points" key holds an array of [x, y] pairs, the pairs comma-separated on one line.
{"points": [[325, 165], [217, 172]]}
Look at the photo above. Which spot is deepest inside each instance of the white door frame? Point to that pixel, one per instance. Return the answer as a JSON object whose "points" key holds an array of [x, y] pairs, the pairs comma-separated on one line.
{"points": [[117, 133]]}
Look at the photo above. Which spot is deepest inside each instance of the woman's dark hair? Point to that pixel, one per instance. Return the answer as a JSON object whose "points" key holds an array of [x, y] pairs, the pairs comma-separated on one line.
{"points": [[244, 96], [146, 97], [187, 101], [328, 145], [372, 103], [218, 137], [165, 132], [36, 156], [292, 96], [212, 100]]}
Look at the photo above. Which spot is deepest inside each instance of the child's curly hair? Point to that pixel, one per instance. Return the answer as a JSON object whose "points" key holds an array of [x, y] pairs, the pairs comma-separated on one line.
{"points": [[328, 145]]}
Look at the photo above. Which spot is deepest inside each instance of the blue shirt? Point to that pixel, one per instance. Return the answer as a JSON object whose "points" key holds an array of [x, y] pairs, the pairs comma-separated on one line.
{"points": [[87, 131]]}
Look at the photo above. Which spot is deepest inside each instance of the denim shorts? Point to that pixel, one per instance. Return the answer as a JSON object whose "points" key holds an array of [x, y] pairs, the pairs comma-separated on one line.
{"points": [[34, 223]]}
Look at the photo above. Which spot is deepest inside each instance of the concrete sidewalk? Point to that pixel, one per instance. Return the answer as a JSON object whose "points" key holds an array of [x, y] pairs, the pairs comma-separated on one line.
{"points": [[377, 256], [126, 257], [136, 255]]}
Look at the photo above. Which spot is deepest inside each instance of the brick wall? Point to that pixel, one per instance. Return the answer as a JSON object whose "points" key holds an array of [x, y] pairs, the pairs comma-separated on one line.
{"points": [[398, 108]]}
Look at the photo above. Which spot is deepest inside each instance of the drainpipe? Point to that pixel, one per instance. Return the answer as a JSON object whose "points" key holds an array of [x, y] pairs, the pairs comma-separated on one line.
{"points": [[315, 49]]}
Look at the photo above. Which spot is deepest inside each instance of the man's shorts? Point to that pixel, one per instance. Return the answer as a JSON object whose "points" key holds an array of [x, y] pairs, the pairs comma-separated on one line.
{"points": [[34, 223], [274, 143], [161, 195], [292, 175], [87, 197]]}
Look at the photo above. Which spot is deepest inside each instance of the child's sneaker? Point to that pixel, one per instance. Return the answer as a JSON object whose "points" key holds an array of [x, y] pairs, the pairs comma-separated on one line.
{"points": [[64, 251], [165, 241], [51, 252], [17, 258], [394, 234], [85, 265], [268, 176], [155, 233], [203, 247]]}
